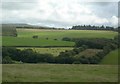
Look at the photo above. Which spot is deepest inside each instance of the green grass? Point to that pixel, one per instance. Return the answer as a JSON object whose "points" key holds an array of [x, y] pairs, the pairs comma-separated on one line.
{"points": [[25, 37], [59, 34], [59, 73], [17, 41], [89, 52], [111, 58], [53, 51]]}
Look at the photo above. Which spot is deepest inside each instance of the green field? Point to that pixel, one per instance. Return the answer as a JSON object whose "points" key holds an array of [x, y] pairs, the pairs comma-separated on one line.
{"points": [[59, 34], [25, 37], [16, 41], [111, 58], [53, 51], [59, 73], [89, 52]]}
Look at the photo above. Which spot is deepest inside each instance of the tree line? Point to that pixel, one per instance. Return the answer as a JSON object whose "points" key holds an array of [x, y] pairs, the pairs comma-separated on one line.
{"points": [[90, 27]]}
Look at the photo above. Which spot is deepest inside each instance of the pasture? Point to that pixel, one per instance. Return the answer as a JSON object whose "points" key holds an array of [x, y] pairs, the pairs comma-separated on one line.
{"points": [[59, 73], [53, 51], [111, 58], [47, 37], [89, 52], [59, 34], [16, 41]]}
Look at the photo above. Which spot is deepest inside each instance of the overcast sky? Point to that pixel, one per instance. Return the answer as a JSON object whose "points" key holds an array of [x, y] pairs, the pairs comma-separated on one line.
{"points": [[60, 13]]}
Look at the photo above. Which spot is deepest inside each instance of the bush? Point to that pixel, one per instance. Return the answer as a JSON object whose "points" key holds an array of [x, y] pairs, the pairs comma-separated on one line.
{"points": [[35, 37], [7, 60], [76, 62], [55, 39], [93, 43], [66, 39], [46, 38]]}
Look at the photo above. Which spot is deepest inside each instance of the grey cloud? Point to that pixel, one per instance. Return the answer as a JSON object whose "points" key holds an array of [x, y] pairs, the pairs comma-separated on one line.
{"points": [[100, 9], [104, 9], [17, 6]]}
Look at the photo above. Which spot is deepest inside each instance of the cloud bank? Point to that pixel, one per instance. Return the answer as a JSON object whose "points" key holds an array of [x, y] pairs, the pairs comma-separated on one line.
{"points": [[60, 13]]}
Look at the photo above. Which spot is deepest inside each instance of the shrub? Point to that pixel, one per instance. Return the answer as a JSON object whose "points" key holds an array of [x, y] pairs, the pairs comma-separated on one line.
{"points": [[7, 60], [35, 37], [66, 39]]}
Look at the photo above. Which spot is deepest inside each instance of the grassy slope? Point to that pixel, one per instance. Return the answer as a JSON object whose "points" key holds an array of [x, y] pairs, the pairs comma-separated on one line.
{"points": [[25, 37], [15, 41], [54, 51], [111, 58], [59, 73], [88, 52], [52, 34]]}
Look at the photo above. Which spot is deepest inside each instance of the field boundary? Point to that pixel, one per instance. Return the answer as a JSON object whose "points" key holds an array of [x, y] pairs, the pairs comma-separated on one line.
{"points": [[40, 46]]}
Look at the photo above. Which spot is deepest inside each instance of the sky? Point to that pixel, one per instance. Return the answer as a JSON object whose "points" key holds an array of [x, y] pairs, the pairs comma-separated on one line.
{"points": [[60, 13]]}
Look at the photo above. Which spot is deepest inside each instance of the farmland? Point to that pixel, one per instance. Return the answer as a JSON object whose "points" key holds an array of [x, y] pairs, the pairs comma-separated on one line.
{"points": [[59, 73], [52, 37], [50, 42], [59, 34], [16, 41], [111, 58], [53, 51], [88, 52]]}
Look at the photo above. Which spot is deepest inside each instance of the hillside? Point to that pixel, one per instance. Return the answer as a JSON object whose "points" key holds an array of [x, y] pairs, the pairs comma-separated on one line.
{"points": [[9, 30], [111, 58]]}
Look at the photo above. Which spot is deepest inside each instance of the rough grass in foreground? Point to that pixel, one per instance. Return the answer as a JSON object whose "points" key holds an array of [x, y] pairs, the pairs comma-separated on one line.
{"points": [[59, 73]]}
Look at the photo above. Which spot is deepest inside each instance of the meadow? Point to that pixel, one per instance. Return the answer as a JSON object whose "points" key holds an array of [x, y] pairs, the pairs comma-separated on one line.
{"points": [[53, 51], [59, 34], [52, 37], [111, 58], [89, 52], [16, 41], [59, 73]]}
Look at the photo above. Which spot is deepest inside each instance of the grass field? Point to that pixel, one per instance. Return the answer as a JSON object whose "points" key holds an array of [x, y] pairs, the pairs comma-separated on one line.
{"points": [[53, 51], [16, 41], [111, 58], [88, 52], [25, 37], [59, 73], [59, 34]]}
